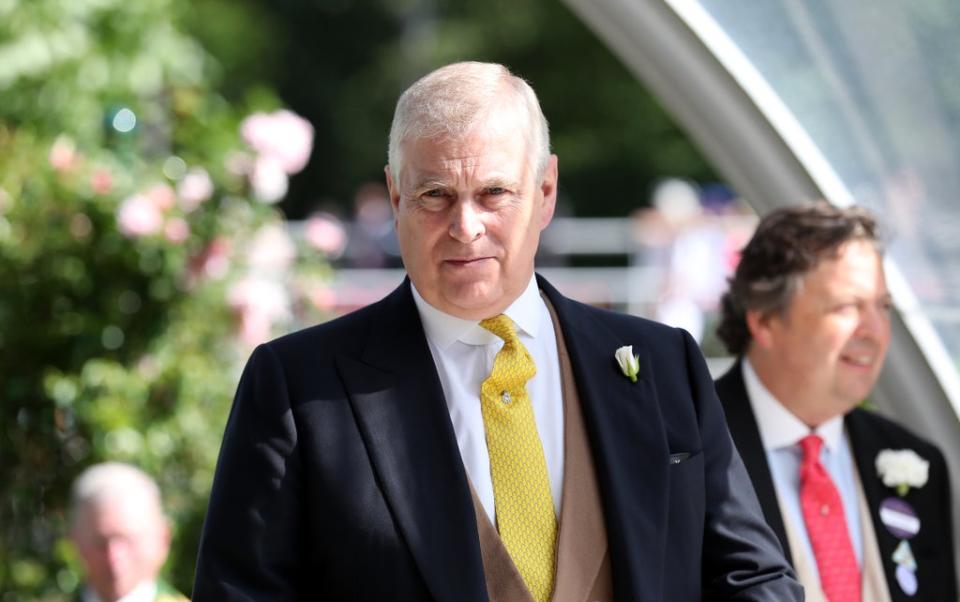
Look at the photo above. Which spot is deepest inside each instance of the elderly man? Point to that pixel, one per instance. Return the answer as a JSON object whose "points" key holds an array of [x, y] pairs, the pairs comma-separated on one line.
{"points": [[861, 505], [122, 535], [471, 436]]}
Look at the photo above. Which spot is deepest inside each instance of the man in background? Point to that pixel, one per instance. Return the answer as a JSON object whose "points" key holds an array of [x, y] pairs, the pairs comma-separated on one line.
{"points": [[122, 535], [861, 505]]}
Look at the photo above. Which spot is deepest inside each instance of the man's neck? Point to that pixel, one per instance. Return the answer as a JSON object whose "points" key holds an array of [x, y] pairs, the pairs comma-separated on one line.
{"points": [[792, 395], [144, 592]]}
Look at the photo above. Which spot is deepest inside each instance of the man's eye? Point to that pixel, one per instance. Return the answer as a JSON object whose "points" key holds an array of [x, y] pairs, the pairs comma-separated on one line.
{"points": [[843, 307], [435, 199], [495, 191]]}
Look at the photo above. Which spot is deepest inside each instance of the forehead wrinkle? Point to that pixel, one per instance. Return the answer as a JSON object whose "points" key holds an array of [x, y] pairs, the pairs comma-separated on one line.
{"points": [[457, 163], [454, 172], [442, 168]]}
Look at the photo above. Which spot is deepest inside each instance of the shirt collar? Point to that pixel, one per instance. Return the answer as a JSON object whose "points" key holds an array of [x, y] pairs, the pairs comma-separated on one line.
{"points": [[779, 427], [443, 330], [145, 592]]}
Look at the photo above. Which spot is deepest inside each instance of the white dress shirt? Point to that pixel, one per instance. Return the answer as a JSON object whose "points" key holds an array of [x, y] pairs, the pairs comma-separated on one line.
{"points": [[781, 432], [145, 592], [463, 352]]}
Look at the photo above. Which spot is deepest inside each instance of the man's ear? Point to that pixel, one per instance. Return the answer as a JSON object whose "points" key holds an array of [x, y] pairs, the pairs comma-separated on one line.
{"points": [[394, 189], [758, 324], [548, 189], [160, 545]]}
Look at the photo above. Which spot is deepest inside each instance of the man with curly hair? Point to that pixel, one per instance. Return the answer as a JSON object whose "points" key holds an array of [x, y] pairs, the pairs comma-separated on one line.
{"points": [[808, 315]]}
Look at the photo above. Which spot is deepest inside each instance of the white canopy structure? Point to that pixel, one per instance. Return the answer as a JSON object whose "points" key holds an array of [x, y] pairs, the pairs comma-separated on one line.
{"points": [[855, 101]]}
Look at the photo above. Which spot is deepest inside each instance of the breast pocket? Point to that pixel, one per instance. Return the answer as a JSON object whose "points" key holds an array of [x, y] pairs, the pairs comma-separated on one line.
{"points": [[686, 483], [685, 512]]}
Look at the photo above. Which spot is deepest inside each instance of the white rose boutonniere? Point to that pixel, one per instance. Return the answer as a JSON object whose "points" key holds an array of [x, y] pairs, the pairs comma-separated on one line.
{"points": [[902, 469], [628, 362]]}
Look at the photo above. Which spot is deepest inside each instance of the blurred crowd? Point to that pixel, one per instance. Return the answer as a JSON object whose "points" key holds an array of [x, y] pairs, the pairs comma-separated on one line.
{"points": [[689, 238]]}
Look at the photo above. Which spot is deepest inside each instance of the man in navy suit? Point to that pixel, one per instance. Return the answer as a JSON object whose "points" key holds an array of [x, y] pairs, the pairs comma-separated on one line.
{"points": [[808, 314], [361, 462]]}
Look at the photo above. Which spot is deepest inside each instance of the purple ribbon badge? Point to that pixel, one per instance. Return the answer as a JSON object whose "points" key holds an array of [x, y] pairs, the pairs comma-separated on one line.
{"points": [[899, 518]]}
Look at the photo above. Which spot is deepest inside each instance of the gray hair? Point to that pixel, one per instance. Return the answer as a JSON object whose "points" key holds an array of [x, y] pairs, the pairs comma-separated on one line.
{"points": [[109, 480], [452, 100]]}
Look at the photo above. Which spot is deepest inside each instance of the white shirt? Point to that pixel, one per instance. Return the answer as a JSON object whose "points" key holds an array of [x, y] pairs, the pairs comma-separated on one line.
{"points": [[463, 353], [145, 592], [781, 432]]}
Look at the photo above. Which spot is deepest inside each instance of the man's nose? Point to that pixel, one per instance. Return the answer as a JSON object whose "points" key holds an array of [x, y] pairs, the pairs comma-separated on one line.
{"points": [[117, 552], [466, 222], [874, 321]]}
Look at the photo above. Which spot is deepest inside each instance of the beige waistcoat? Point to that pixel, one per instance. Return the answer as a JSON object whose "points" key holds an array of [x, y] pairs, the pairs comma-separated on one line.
{"points": [[583, 562]]}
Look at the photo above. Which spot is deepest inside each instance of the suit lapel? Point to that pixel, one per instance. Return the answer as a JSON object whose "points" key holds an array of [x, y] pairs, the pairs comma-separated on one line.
{"points": [[629, 448], [746, 434], [398, 401], [865, 450]]}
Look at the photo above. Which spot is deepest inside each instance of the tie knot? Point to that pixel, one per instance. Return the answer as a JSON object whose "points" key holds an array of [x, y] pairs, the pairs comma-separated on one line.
{"points": [[502, 326], [811, 445]]}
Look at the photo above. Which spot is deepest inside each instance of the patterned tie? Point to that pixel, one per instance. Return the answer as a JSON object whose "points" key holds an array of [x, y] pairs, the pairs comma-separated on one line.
{"points": [[521, 487], [827, 527]]}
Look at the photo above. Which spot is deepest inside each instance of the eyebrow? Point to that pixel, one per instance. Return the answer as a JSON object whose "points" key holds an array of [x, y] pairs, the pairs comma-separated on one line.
{"points": [[498, 182], [431, 183]]}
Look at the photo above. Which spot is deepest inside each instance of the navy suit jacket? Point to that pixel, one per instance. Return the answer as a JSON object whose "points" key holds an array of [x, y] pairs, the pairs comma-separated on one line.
{"points": [[869, 434], [340, 478]]}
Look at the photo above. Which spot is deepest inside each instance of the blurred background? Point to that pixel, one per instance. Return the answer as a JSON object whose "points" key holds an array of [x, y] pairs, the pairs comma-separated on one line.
{"points": [[181, 180]]}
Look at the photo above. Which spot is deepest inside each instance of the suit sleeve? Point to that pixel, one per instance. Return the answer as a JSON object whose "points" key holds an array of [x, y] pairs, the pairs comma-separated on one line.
{"points": [[742, 559], [251, 538], [947, 585]]}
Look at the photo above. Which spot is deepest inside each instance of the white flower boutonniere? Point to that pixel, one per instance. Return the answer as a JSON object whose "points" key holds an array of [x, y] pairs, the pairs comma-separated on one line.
{"points": [[902, 469], [629, 363]]}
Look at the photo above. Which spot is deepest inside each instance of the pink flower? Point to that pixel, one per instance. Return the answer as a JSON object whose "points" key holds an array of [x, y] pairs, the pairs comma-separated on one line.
{"points": [[195, 188], [213, 262], [271, 250], [162, 196], [325, 233], [268, 180], [265, 296], [63, 154], [255, 328], [101, 182], [282, 135], [217, 261], [139, 216], [323, 298], [142, 214], [176, 230], [260, 304]]}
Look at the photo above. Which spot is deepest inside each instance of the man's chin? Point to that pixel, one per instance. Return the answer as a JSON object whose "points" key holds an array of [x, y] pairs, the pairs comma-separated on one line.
{"points": [[116, 591], [474, 302], [853, 397]]}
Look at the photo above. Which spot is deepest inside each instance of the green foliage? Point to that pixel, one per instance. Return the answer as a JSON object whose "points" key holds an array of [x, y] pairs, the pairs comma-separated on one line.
{"points": [[118, 331]]}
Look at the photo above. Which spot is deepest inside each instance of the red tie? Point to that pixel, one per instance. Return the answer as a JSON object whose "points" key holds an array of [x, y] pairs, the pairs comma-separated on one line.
{"points": [[827, 527]]}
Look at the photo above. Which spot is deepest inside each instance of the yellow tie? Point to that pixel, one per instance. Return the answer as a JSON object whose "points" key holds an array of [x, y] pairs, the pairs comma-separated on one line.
{"points": [[521, 487]]}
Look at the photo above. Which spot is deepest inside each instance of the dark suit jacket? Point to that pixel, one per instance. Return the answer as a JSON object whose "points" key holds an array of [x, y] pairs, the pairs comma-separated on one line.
{"points": [[869, 434], [340, 478]]}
